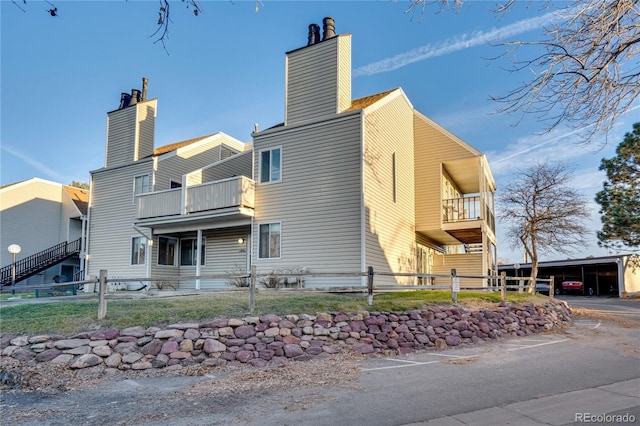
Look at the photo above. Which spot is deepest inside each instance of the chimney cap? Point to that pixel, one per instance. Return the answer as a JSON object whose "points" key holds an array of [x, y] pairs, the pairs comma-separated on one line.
{"points": [[329, 27]]}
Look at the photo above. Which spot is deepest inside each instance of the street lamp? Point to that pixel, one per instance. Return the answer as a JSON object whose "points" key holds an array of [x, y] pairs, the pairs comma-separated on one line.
{"points": [[13, 249]]}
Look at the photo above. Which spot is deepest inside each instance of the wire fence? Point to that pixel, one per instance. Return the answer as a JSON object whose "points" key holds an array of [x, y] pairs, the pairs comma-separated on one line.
{"points": [[295, 281]]}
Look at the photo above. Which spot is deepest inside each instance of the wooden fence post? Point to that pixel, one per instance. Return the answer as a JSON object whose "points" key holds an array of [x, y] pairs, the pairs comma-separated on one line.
{"points": [[370, 285], [455, 286], [552, 287], [102, 291], [252, 289], [503, 286]]}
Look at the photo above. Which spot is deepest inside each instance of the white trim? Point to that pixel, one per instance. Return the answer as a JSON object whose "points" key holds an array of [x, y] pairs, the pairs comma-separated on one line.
{"points": [[203, 241], [363, 252], [146, 250], [134, 186], [447, 133], [176, 252], [199, 255], [269, 223], [270, 181]]}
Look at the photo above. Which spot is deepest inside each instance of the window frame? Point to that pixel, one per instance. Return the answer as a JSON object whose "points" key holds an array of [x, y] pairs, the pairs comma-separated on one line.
{"points": [[135, 179], [143, 244], [260, 165], [175, 253], [269, 255], [194, 242]]}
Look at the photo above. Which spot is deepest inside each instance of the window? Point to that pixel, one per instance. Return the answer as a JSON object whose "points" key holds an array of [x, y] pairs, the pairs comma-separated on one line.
{"points": [[138, 250], [188, 251], [393, 177], [167, 251], [176, 184], [270, 165], [269, 240], [140, 185]]}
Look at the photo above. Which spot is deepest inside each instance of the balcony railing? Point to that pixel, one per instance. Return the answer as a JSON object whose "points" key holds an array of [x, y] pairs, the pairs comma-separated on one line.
{"points": [[233, 192], [461, 209], [157, 204], [237, 191]]}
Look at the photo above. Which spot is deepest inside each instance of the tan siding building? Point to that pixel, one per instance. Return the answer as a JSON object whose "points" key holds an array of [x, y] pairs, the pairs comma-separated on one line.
{"points": [[37, 215], [339, 186]]}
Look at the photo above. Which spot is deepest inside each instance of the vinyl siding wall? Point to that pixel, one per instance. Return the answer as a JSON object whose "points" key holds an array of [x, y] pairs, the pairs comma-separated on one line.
{"points": [[389, 225], [130, 133], [37, 215], [173, 166], [464, 264], [318, 80], [223, 255], [146, 128], [237, 165], [317, 202], [31, 217], [432, 148], [112, 214]]}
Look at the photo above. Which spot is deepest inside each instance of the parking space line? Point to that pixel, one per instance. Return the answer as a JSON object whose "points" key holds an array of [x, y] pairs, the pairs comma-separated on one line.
{"points": [[402, 366], [587, 323], [539, 344], [403, 360]]}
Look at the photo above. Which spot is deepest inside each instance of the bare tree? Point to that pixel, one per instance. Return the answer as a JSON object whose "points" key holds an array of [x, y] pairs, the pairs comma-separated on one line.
{"points": [[588, 73], [545, 213]]}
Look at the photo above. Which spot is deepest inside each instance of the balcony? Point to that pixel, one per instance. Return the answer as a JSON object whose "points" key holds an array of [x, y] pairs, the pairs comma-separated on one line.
{"points": [[461, 209], [211, 196]]}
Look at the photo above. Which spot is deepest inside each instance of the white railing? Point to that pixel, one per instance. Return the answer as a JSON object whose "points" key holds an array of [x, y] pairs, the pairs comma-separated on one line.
{"points": [[162, 203], [233, 192], [236, 191]]}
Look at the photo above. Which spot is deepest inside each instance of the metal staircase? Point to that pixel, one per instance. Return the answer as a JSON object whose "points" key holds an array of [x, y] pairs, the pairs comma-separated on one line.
{"points": [[40, 261]]}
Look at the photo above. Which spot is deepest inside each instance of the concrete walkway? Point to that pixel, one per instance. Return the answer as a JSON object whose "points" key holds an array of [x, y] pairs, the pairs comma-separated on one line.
{"points": [[614, 404]]}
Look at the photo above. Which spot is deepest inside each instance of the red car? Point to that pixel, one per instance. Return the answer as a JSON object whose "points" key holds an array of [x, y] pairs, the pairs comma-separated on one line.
{"points": [[572, 286]]}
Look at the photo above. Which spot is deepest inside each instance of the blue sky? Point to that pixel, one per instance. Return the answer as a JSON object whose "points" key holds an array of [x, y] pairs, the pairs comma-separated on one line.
{"points": [[224, 71]]}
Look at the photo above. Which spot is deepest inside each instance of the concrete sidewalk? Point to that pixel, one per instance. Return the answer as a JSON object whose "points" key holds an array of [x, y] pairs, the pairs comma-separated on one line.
{"points": [[614, 404]]}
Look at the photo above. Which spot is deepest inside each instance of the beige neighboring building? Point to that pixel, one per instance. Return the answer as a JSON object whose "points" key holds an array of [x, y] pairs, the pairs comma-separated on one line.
{"points": [[339, 186], [48, 221]]}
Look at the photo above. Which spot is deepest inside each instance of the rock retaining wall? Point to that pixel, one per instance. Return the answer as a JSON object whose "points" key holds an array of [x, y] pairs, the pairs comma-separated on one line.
{"points": [[271, 340]]}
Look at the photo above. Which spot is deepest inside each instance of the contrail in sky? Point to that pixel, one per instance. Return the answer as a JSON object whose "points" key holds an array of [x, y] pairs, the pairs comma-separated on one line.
{"points": [[36, 164], [455, 44], [534, 147]]}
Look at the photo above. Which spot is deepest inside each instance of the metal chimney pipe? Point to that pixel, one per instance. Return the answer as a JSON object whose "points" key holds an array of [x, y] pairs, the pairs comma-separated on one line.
{"points": [[145, 81], [329, 27], [314, 34], [135, 97], [125, 98]]}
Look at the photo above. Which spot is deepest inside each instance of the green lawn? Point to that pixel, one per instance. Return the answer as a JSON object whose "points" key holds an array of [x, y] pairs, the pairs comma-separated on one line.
{"points": [[74, 316]]}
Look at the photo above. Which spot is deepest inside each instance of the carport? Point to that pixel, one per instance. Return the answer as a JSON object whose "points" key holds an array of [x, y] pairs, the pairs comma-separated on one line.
{"points": [[601, 276]]}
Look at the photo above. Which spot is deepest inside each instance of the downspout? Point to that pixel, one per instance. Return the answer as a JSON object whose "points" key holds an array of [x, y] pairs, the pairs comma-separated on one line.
{"points": [[85, 258], [363, 228], [198, 257]]}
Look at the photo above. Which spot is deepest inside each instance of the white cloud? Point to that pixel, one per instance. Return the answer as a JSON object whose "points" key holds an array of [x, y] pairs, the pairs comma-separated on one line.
{"points": [[455, 44]]}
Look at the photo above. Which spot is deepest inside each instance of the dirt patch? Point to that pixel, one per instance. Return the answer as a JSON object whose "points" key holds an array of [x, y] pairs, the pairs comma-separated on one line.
{"points": [[460, 361]]}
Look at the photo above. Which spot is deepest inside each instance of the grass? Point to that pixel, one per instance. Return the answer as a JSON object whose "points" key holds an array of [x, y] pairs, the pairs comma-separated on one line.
{"points": [[74, 316]]}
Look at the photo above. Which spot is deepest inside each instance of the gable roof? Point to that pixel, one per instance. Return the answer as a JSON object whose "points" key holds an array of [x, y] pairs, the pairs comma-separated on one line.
{"points": [[80, 198], [366, 101], [174, 146], [359, 103]]}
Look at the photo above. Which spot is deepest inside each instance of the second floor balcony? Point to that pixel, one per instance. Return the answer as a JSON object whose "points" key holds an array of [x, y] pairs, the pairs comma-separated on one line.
{"points": [[210, 196]]}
